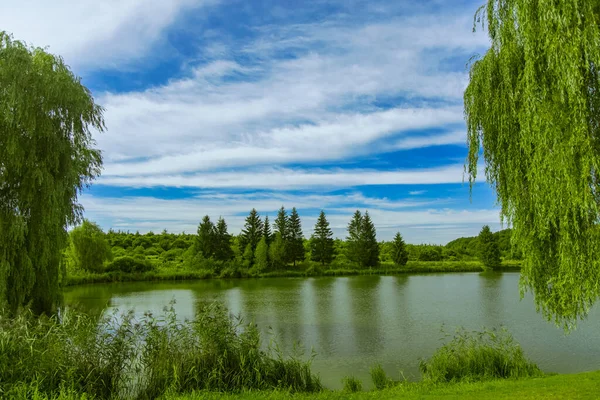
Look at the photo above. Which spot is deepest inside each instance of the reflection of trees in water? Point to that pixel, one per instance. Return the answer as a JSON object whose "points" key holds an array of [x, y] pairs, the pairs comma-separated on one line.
{"points": [[491, 299], [366, 314]]}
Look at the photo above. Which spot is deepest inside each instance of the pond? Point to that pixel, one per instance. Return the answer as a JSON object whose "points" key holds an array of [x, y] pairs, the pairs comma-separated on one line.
{"points": [[355, 322]]}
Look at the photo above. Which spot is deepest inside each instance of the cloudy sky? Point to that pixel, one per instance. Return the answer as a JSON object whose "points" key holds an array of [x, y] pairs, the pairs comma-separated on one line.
{"points": [[218, 106]]}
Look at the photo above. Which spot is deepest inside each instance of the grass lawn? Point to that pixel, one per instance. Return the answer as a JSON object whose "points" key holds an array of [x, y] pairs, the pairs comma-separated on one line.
{"points": [[572, 386]]}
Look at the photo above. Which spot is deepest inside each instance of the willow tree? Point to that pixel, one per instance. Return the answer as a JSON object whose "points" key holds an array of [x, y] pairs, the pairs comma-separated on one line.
{"points": [[46, 158], [533, 105]]}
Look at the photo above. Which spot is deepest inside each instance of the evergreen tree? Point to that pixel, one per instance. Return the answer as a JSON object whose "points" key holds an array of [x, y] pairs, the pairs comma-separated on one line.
{"points": [[370, 247], [295, 241], [399, 252], [321, 241], [223, 250], [90, 247], [207, 238], [489, 252], [252, 232], [267, 233], [281, 223], [261, 255], [47, 157], [353, 240]]}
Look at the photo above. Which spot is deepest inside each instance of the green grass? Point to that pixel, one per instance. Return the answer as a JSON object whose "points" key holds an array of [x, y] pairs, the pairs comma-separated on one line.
{"points": [[568, 387], [313, 269]]}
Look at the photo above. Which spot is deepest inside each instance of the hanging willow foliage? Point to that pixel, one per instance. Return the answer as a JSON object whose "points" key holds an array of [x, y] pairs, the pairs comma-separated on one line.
{"points": [[46, 158], [533, 105]]}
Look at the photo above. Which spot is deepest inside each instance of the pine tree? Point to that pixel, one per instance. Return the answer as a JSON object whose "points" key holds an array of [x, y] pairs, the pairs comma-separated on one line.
{"points": [[252, 232], [370, 247], [267, 233], [261, 255], [223, 250], [281, 223], [489, 252], [353, 240], [295, 245], [206, 239], [399, 252], [321, 241]]}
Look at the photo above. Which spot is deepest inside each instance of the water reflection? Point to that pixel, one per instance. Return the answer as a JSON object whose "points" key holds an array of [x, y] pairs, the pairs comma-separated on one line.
{"points": [[354, 322]]}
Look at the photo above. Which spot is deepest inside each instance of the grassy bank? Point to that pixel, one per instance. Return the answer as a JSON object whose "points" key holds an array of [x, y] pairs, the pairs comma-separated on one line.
{"points": [[309, 269], [565, 387]]}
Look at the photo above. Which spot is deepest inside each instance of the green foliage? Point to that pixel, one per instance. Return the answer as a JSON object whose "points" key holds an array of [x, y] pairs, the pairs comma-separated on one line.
{"points": [[321, 241], [248, 257], [252, 231], [361, 244], [533, 105], [277, 252], [129, 264], [78, 354], [400, 254], [489, 253], [206, 240], [281, 223], [262, 255], [351, 384], [380, 378], [295, 239], [267, 233], [46, 158], [223, 250], [90, 247], [475, 356]]}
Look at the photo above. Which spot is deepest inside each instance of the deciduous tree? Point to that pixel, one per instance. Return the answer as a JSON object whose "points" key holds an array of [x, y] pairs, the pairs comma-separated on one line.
{"points": [[47, 156], [90, 247], [533, 105]]}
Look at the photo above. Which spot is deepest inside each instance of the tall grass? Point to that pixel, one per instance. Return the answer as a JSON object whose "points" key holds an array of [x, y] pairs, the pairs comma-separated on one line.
{"points": [[476, 356], [120, 357]]}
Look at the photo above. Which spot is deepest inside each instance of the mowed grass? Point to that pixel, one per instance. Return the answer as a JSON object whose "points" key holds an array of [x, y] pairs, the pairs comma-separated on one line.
{"points": [[571, 386]]}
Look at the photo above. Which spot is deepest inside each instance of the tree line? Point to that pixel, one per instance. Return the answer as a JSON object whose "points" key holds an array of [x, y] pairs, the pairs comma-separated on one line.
{"points": [[263, 246]]}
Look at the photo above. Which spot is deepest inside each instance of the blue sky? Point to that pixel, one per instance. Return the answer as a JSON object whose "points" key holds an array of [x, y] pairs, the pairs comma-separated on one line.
{"points": [[218, 106]]}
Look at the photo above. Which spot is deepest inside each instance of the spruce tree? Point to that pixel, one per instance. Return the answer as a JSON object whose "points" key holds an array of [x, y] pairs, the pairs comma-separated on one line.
{"points": [[206, 238], [267, 233], [353, 240], [47, 156], [489, 252], [223, 250], [399, 251], [252, 232], [281, 223], [295, 245], [370, 247], [321, 241]]}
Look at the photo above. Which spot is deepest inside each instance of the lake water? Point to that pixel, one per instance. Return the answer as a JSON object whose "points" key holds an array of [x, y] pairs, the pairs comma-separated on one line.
{"points": [[355, 322]]}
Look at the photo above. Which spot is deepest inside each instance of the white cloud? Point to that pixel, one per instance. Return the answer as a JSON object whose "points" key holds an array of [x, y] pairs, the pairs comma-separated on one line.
{"points": [[93, 33], [282, 178], [430, 225]]}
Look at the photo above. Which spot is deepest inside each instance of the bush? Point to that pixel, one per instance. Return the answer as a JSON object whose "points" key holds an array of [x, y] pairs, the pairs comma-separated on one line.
{"points": [[380, 378], [351, 384], [129, 265], [124, 358], [476, 356]]}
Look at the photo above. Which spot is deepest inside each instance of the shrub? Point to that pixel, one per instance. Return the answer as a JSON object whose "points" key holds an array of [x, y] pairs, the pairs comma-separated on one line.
{"points": [[380, 378], [129, 265], [351, 384], [475, 356]]}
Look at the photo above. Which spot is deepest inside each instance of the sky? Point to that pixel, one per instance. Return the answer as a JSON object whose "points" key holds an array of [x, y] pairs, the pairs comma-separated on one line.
{"points": [[215, 107]]}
